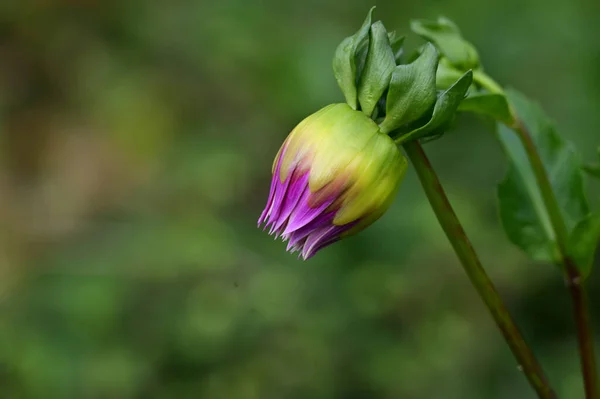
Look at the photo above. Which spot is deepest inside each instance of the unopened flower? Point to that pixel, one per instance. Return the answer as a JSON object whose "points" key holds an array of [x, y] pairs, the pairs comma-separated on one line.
{"points": [[334, 175]]}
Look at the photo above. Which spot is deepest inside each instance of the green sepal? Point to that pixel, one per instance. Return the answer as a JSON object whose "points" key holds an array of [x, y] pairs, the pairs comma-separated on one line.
{"points": [[345, 61], [378, 69], [447, 38], [443, 111], [583, 242], [411, 91], [397, 43]]}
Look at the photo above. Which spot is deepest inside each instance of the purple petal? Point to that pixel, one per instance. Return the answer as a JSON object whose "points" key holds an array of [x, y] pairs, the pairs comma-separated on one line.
{"points": [[280, 191], [293, 247], [276, 191], [264, 214], [297, 186], [325, 219], [275, 182], [319, 247], [321, 238], [304, 213]]}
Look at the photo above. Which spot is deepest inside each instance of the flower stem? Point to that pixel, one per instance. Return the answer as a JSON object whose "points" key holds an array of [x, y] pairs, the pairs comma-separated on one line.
{"points": [[550, 203], [585, 336], [575, 284], [472, 266], [485, 81], [573, 277]]}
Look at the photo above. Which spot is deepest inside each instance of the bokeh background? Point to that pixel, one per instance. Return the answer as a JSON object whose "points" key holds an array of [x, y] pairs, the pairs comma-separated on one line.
{"points": [[136, 140]]}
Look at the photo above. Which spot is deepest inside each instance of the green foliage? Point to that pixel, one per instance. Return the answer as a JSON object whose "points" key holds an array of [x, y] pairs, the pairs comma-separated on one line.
{"points": [[344, 61], [379, 64], [492, 105], [583, 242], [447, 74], [447, 38], [443, 112], [594, 169], [524, 217], [396, 42], [411, 91]]}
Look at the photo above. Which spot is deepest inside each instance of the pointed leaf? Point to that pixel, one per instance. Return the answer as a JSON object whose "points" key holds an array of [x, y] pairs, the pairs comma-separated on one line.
{"points": [[522, 210], [447, 38], [494, 105], [445, 108], [411, 91], [378, 69], [344, 61], [584, 241]]}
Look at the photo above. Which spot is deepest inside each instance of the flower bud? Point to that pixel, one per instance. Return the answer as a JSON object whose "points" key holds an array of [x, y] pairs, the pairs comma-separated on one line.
{"points": [[335, 174]]}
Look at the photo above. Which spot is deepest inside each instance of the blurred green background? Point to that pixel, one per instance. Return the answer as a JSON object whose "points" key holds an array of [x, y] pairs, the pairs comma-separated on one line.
{"points": [[136, 140]]}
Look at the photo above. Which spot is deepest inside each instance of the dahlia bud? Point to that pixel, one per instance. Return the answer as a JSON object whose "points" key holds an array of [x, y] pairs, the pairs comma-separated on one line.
{"points": [[335, 174]]}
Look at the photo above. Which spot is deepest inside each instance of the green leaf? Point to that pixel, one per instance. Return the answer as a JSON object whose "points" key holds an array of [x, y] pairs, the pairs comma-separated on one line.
{"points": [[583, 242], [593, 170], [494, 105], [447, 38], [446, 75], [396, 42], [378, 69], [344, 61], [411, 91], [522, 210], [445, 108]]}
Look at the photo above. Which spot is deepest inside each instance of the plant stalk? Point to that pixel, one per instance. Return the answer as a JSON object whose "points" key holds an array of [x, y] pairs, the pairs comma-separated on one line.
{"points": [[585, 336], [472, 266], [574, 280]]}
